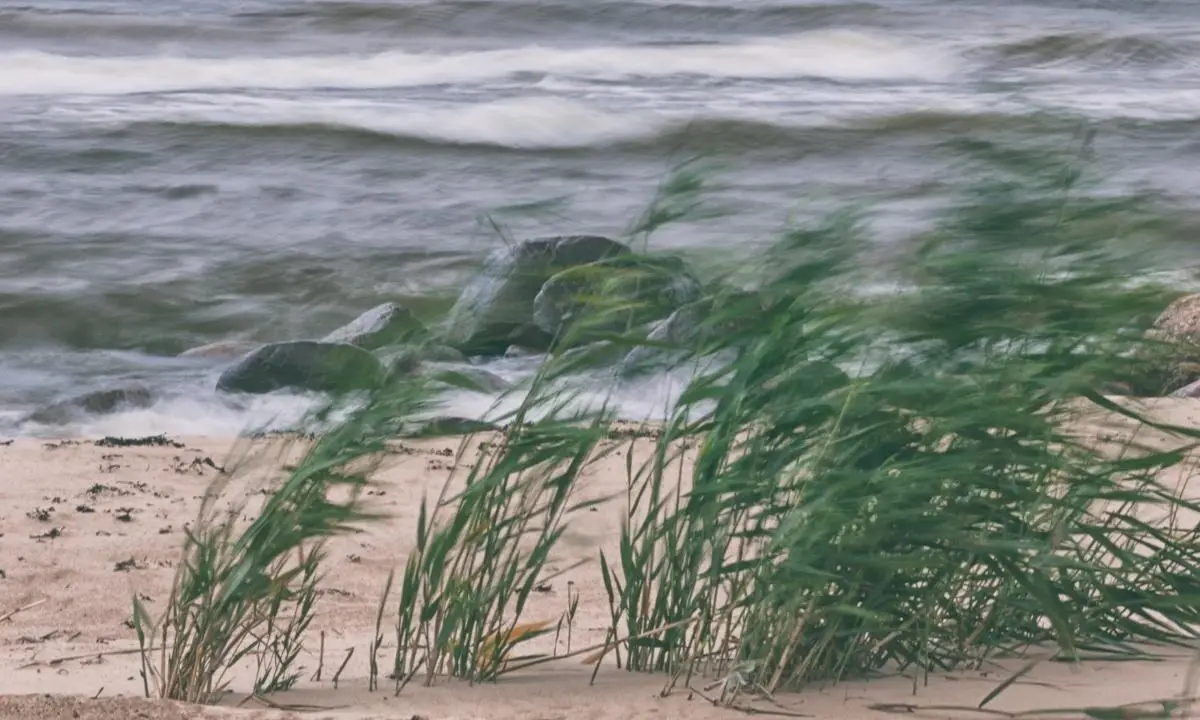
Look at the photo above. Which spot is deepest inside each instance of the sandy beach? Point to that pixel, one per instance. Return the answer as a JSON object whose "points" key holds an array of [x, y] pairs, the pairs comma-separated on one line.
{"points": [[84, 526]]}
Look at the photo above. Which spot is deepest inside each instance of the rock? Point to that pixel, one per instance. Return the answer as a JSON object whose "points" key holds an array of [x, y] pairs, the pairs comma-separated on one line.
{"points": [[687, 329], [383, 325], [303, 365], [468, 377], [495, 310], [1191, 390], [1175, 363], [613, 296], [406, 358], [224, 350], [444, 426], [1181, 319], [516, 351], [101, 402]]}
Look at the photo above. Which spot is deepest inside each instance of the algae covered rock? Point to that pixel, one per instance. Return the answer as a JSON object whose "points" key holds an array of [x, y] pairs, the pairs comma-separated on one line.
{"points": [[613, 296], [495, 309], [303, 365], [382, 325]]}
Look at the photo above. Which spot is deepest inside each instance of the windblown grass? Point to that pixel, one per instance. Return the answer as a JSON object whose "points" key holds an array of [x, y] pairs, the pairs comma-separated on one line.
{"points": [[847, 484]]}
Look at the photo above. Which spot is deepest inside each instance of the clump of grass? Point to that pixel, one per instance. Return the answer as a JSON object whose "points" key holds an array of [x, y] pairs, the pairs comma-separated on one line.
{"points": [[878, 482], [847, 483], [483, 545], [246, 592]]}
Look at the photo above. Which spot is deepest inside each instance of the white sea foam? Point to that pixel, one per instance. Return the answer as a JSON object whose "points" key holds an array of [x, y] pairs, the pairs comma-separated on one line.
{"points": [[835, 54], [528, 122], [204, 413]]}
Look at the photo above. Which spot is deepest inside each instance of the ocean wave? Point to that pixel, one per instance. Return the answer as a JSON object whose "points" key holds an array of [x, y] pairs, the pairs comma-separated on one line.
{"points": [[838, 55], [1098, 50], [523, 17], [547, 123], [30, 24]]}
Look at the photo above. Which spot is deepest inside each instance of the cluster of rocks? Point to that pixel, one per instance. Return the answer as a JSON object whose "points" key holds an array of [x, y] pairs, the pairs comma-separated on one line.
{"points": [[573, 291], [525, 299]]}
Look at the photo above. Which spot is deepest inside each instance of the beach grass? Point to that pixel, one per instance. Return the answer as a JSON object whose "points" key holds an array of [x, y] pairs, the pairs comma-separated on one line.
{"points": [[849, 482]]}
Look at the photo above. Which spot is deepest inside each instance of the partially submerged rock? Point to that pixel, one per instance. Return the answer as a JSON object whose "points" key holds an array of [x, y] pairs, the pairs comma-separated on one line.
{"points": [[468, 377], [100, 402], [613, 295], [223, 350], [382, 325], [687, 330], [303, 365], [495, 310]]}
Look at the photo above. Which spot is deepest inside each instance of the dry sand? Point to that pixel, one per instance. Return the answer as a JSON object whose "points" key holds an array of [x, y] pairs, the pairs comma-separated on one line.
{"points": [[84, 527]]}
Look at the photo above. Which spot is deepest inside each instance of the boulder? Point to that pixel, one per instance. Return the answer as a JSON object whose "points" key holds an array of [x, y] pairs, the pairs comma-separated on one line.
{"points": [[1175, 362], [467, 377], [303, 365], [495, 309], [686, 331], [406, 358], [100, 402], [224, 350], [613, 296], [382, 325]]}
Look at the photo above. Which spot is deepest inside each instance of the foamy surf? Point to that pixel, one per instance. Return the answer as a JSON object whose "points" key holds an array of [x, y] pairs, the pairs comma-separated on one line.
{"points": [[205, 413], [525, 123], [838, 55]]}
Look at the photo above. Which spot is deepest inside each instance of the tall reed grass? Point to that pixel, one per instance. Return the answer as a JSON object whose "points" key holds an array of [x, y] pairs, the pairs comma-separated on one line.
{"points": [[849, 482]]}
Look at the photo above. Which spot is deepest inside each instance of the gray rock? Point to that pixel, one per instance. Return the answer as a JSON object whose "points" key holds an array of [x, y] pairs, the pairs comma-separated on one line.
{"points": [[613, 296], [1191, 390], [400, 358], [495, 309], [448, 426], [383, 325], [468, 377], [686, 330], [224, 350], [516, 351], [303, 365], [100, 402]]}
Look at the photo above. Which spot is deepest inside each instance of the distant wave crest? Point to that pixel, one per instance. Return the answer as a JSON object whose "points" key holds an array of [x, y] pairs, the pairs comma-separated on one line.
{"points": [[552, 123], [837, 55]]}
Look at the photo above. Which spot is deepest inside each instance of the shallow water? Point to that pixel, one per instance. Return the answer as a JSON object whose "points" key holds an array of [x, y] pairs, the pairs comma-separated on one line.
{"points": [[173, 174]]}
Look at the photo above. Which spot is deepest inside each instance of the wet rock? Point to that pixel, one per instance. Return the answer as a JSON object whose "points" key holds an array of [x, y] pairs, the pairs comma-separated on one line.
{"points": [[100, 402], [224, 350], [468, 377], [613, 295], [406, 358], [687, 330], [495, 310], [516, 351], [303, 365], [383, 325], [448, 426]]}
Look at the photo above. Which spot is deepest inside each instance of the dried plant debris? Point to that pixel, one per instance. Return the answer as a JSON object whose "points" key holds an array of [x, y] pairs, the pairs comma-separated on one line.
{"points": [[40, 514], [148, 441], [130, 564]]}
